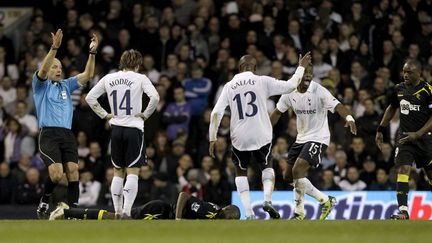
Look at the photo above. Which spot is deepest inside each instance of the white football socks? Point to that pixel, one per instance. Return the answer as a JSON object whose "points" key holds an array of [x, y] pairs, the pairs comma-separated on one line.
{"points": [[117, 193], [268, 176], [129, 193], [299, 191], [242, 185], [312, 191]]}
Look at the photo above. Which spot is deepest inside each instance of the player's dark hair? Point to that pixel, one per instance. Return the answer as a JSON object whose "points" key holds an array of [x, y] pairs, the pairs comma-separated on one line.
{"points": [[130, 59], [231, 212]]}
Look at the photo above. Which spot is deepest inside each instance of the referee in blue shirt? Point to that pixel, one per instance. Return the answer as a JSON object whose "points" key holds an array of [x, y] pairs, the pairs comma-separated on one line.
{"points": [[57, 144]]}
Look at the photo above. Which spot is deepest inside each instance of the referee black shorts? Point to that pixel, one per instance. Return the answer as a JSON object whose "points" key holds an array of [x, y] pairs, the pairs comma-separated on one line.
{"points": [[57, 145], [242, 158], [419, 151], [127, 147]]}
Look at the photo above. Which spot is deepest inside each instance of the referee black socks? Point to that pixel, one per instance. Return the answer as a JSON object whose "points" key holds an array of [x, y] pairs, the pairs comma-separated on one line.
{"points": [[73, 193], [49, 188]]}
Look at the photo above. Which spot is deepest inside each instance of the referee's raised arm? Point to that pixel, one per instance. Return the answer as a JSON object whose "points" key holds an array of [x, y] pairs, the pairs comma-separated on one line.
{"points": [[48, 60], [88, 73]]}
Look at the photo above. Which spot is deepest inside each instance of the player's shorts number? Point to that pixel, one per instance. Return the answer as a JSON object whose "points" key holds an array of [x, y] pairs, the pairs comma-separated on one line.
{"points": [[314, 148], [237, 99], [125, 103]]}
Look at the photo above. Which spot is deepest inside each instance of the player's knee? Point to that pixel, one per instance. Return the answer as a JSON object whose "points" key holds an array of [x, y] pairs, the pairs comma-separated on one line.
{"points": [[72, 172], [56, 176]]}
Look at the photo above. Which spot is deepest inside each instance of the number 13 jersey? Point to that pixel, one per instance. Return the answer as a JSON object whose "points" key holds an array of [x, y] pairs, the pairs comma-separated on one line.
{"points": [[246, 95], [124, 91]]}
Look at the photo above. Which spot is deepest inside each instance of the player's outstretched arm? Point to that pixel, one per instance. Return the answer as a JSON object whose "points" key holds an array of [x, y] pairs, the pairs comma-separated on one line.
{"points": [[46, 64], [388, 115], [350, 122], [88, 73], [275, 116], [181, 203]]}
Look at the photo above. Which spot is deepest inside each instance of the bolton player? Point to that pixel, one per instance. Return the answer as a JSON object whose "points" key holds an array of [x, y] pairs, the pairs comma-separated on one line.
{"points": [[310, 102], [251, 131], [125, 89], [414, 98], [187, 207], [57, 144]]}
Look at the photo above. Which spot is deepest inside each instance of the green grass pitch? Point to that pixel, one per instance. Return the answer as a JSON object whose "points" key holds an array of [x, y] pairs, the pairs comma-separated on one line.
{"points": [[216, 231]]}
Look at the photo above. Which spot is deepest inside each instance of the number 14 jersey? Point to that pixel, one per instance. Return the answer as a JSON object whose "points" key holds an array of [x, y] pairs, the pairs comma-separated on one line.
{"points": [[246, 95], [124, 91]]}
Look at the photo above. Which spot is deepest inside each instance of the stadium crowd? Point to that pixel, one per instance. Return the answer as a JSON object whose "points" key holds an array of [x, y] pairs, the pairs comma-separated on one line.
{"points": [[190, 50]]}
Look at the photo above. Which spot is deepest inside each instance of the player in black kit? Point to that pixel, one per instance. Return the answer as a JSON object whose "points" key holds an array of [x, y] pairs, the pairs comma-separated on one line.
{"points": [[187, 207], [414, 98]]}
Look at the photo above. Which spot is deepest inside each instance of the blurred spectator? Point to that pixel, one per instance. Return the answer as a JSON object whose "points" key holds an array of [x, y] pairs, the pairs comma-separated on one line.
{"points": [[89, 189], [7, 69], [352, 181], [329, 157], [163, 189], [217, 190], [328, 181], [25, 119], [367, 173], [21, 96], [367, 125], [7, 90], [30, 191], [357, 153], [381, 182], [193, 186], [177, 114], [145, 184], [340, 167], [12, 133], [19, 172], [149, 69], [7, 184], [95, 162], [83, 149], [104, 197]]}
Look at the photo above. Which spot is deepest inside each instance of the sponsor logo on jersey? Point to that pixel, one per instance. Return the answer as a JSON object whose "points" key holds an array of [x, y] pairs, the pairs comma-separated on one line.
{"points": [[406, 107], [306, 112]]}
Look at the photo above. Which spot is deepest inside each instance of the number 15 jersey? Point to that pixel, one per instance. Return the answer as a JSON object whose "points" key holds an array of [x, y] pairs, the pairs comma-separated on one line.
{"points": [[124, 91], [246, 95]]}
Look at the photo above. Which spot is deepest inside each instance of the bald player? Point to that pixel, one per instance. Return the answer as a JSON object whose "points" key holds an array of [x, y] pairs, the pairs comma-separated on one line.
{"points": [[57, 144], [251, 131], [414, 98]]}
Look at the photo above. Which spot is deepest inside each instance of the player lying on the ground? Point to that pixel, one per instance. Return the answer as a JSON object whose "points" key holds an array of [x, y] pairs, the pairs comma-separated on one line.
{"points": [[310, 102], [187, 207]]}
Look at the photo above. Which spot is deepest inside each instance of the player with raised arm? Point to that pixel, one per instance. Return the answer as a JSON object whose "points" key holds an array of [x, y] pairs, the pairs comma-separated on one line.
{"points": [[187, 207], [251, 131], [414, 98], [57, 143], [125, 89], [310, 102]]}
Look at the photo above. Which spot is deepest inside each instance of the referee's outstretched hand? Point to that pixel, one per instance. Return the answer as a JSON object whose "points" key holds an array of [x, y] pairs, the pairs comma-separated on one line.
{"points": [[57, 38]]}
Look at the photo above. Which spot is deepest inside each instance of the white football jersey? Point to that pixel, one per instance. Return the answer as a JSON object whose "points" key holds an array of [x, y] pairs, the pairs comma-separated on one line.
{"points": [[124, 91], [246, 95], [311, 110]]}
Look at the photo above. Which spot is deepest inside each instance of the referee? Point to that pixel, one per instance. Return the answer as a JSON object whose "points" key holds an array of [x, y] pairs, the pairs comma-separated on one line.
{"points": [[57, 144]]}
